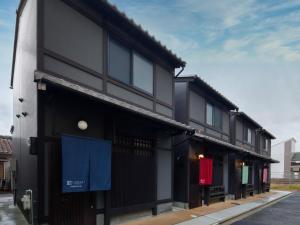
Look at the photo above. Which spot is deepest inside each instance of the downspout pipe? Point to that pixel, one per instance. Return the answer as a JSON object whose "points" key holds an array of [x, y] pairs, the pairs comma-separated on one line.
{"points": [[182, 68]]}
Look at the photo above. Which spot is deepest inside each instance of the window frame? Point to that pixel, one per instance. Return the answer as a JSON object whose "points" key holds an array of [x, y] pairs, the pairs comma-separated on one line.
{"points": [[248, 130], [116, 42], [131, 61], [213, 125], [212, 114], [132, 71], [266, 144]]}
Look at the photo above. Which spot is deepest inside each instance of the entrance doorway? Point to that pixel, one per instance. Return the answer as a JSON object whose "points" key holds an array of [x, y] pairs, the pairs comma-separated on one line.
{"points": [[133, 172], [66, 208]]}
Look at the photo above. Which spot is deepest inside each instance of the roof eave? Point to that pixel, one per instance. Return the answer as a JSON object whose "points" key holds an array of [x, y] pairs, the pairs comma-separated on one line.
{"points": [[113, 11], [42, 76], [196, 78]]}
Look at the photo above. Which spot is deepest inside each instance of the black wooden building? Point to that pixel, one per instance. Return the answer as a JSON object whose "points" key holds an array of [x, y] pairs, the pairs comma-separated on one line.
{"points": [[218, 137], [246, 133], [83, 69]]}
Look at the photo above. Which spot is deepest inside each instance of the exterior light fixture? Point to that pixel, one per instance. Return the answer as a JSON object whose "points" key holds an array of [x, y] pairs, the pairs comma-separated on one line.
{"points": [[82, 125], [243, 164], [200, 156], [24, 114]]}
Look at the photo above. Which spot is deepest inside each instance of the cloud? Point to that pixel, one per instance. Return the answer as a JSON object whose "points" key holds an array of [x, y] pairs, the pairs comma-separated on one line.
{"points": [[232, 30], [223, 13]]}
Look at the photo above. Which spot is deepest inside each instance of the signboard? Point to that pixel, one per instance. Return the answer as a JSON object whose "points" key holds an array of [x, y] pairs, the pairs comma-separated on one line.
{"points": [[205, 171]]}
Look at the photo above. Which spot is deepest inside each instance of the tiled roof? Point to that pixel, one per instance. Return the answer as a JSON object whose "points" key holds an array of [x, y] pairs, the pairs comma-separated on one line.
{"points": [[296, 156], [261, 129], [122, 104], [268, 134], [234, 147], [244, 115], [115, 13], [5, 145], [196, 78]]}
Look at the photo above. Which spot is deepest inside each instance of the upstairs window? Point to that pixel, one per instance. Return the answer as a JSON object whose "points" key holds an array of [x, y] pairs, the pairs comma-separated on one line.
{"points": [[213, 116], [267, 144], [217, 118], [209, 114], [119, 62], [263, 143], [142, 73], [129, 67], [248, 135]]}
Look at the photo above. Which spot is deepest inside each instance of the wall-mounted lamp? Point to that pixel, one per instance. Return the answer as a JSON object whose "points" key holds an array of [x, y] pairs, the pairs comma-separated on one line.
{"points": [[24, 114], [243, 164], [200, 156], [21, 99], [18, 115], [82, 125]]}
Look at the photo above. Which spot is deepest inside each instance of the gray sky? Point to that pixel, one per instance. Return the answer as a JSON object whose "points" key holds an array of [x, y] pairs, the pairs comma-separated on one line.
{"points": [[249, 52]]}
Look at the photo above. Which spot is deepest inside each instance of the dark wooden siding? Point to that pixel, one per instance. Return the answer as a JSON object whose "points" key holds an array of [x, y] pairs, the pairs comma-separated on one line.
{"points": [[86, 63], [197, 100]]}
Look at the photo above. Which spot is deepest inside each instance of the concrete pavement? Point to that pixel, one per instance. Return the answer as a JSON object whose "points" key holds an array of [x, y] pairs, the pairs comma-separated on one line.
{"points": [[212, 215], [10, 214], [285, 212], [230, 213]]}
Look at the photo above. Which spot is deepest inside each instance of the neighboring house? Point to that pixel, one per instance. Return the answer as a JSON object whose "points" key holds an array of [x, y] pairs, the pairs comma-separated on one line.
{"points": [[223, 136], [203, 108], [283, 152], [250, 136], [84, 78], [5, 156]]}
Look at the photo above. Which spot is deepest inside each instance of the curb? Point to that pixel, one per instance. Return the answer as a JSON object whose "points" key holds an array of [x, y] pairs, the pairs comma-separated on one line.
{"points": [[254, 209], [213, 219]]}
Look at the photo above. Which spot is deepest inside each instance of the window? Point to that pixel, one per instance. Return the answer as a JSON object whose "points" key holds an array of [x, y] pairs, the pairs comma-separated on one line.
{"points": [[209, 114], [248, 135], [119, 62], [263, 143], [217, 118], [142, 74], [213, 116], [130, 68]]}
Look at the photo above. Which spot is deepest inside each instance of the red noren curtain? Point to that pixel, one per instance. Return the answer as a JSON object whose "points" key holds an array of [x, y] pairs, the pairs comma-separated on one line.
{"points": [[205, 171], [265, 175]]}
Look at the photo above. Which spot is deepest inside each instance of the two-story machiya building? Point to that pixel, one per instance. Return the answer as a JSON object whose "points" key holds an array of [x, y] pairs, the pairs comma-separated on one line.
{"points": [[218, 161], [248, 135], [93, 114], [101, 131]]}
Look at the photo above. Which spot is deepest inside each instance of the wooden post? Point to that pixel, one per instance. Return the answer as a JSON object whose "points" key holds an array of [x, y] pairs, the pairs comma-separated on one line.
{"points": [[107, 208]]}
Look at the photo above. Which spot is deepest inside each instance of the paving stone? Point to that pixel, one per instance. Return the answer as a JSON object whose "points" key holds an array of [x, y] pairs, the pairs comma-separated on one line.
{"points": [[10, 214]]}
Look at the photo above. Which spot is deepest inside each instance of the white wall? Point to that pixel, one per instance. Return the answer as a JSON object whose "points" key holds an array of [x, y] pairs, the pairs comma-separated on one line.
{"points": [[277, 153]]}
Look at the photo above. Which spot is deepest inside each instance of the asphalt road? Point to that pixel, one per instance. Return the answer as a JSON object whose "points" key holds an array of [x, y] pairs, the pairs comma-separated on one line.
{"points": [[284, 212]]}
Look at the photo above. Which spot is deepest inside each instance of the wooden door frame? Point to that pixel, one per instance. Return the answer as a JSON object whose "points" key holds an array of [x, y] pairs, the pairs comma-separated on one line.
{"points": [[55, 141]]}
